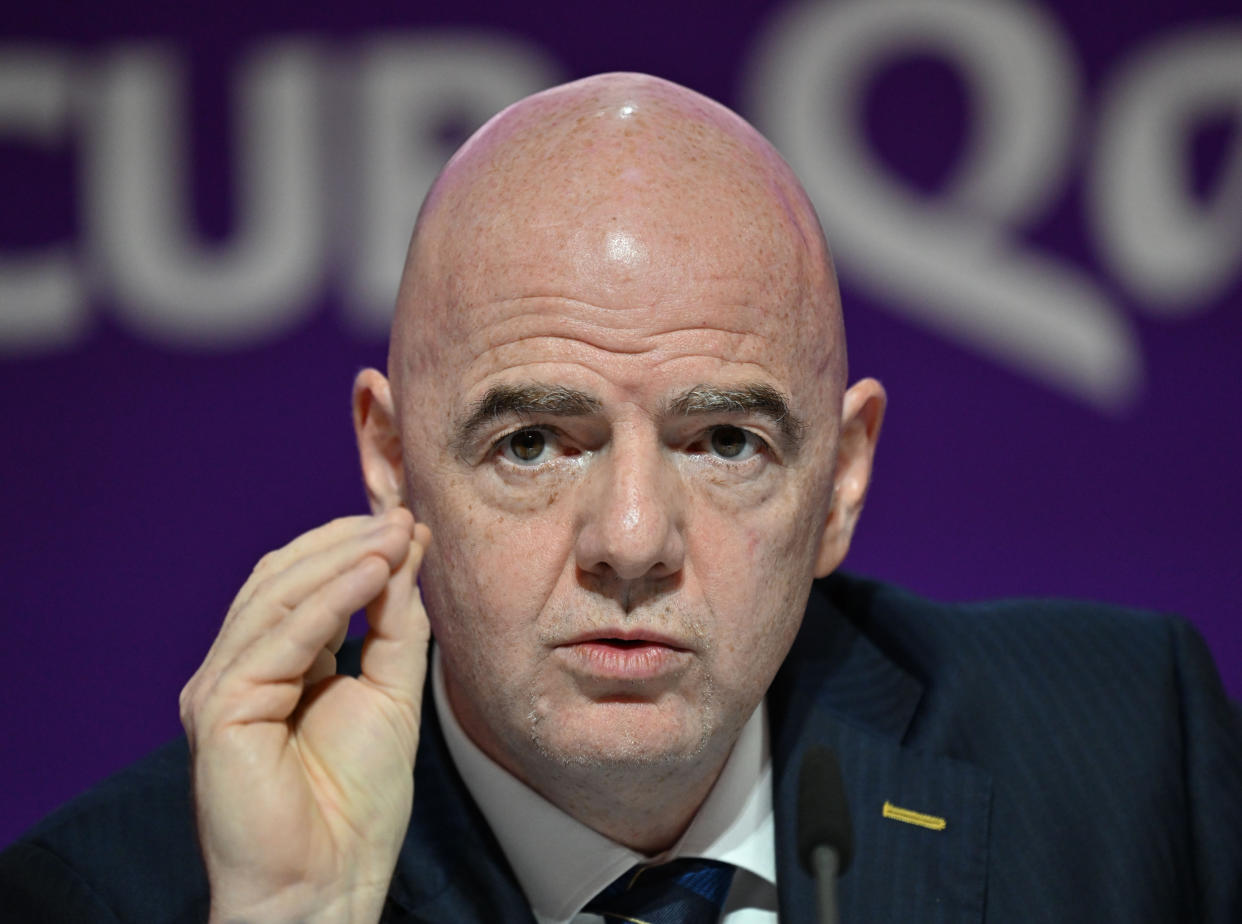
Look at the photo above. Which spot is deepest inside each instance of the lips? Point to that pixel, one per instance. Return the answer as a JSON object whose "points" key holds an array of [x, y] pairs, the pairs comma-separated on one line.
{"points": [[625, 655], [628, 636]]}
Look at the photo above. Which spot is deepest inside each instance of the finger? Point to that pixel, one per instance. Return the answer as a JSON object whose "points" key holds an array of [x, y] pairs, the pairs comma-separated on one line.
{"points": [[303, 546], [337, 640], [265, 680], [332, 549], [308, 544], [394, 654], [323, 667], [273, 563], [273, 599], [314, 540]]}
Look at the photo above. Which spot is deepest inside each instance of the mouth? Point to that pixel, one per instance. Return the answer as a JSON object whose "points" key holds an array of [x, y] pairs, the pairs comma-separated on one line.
{"points": [[623, 642], [625, 656], [627, 639]]}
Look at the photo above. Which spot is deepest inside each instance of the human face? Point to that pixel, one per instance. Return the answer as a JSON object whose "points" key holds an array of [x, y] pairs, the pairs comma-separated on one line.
{"points": [[626, 512]]}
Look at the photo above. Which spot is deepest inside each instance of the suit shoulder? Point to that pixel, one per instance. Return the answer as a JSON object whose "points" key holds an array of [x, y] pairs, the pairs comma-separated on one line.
{"points": [[1017, 633], [126, 849], [1012, 659]]}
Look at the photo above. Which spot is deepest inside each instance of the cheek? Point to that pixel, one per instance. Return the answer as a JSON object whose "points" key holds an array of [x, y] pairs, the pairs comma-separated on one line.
{"points": [[767, 530], [487, 571], [755, 572], [526, 496]]}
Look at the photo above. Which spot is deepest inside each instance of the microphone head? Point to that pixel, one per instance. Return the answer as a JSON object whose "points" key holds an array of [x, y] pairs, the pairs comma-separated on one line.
{"points": [[823, 814]]}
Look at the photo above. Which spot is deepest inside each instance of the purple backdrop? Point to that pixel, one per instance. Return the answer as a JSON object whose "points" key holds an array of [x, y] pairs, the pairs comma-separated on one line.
{"points": [[1037, 212]]}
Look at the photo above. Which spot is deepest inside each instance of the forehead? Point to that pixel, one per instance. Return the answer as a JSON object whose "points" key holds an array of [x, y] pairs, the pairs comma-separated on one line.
{"points": [[644, 306]]}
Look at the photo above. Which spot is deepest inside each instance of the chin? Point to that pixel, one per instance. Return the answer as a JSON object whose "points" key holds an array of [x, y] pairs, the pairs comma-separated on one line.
{"points": [[622, 735]]}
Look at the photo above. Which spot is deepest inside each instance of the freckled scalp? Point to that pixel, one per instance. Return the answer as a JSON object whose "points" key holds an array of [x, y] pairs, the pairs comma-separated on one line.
{"points": [[543, 179]]}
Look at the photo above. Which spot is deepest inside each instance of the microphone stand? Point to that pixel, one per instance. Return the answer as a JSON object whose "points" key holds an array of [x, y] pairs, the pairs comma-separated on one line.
{"points": [[825, 836]]}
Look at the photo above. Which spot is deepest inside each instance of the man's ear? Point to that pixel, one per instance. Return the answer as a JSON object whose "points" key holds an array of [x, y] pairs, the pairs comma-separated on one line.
{"points": [[862, 412], [379, 442]]}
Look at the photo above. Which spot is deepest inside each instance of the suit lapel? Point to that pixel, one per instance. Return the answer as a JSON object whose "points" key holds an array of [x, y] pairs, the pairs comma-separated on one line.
{"points": [[838, 690], [450, 868]]}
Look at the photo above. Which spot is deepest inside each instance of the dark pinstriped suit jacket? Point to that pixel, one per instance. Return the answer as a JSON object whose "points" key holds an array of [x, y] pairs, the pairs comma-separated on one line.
{"points": [[1048, 762]]}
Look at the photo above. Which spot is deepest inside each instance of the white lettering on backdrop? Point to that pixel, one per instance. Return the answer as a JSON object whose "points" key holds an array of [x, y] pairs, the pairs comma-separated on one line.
{"points": [[42, 297], [293, 208], [336, 147], [950, 262], [164, 282], [1174, 252]]}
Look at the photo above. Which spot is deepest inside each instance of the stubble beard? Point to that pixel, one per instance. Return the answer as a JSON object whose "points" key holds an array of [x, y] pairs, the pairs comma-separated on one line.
{"points": [[625, 751]]}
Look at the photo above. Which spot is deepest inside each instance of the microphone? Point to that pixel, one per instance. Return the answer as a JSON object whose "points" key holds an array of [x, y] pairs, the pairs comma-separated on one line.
{"points": [[825, 837]]}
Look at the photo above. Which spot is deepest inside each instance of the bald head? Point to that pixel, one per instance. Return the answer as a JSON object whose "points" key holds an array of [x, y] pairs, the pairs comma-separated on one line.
{"points": [[617, 176]]}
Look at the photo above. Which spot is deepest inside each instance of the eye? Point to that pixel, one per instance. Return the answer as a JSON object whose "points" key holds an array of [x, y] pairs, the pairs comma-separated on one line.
{"points": [[527, 447], [734, 443]]}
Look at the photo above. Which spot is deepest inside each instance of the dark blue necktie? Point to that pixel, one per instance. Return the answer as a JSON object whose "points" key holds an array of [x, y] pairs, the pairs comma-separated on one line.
{"points": [[688, 891]]}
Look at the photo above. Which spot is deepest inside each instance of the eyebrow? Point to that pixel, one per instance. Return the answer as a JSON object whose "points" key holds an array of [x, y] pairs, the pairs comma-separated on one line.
{"points": [[756, 398], [537, 398], [521, 401]]}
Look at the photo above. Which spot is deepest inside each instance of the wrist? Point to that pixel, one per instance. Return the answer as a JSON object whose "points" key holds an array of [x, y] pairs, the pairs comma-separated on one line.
{"points": [[301, 903]]}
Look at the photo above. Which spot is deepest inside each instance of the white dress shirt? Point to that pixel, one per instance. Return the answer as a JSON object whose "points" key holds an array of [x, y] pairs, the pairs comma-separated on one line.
{"points": [[562, 864]]}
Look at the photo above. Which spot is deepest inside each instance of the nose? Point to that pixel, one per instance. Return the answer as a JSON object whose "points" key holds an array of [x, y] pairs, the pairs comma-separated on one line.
{"points": [[631, 524]]}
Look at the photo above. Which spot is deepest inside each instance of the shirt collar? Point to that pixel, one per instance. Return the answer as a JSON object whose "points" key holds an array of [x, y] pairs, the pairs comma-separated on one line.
{"points": [[562, 864]]}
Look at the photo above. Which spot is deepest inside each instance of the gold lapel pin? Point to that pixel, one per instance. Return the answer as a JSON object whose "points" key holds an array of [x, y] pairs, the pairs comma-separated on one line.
{"points": [[911, 817]]}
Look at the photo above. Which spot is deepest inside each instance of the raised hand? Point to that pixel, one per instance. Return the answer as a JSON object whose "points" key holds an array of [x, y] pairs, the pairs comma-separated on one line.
{"points": [[303, 779]]}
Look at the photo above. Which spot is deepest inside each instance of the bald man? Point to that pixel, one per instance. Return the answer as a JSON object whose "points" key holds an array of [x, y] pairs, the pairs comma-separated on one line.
{"points": [[615, 449]]}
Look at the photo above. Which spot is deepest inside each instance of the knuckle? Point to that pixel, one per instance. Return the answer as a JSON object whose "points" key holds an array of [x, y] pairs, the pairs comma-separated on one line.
{"points": [[196, 693], [188, 705], [266, 563]]}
